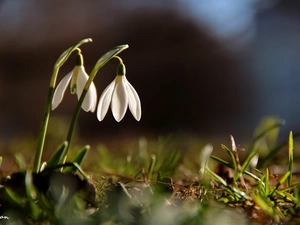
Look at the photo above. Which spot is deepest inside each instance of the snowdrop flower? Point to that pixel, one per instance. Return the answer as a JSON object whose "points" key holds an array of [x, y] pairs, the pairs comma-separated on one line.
{"points": [[120, 95], [78, 78]]}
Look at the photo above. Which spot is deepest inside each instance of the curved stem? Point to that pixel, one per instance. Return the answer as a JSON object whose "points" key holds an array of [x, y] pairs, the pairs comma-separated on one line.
{"points": [[99, 64], [119, 58], [78, 108], [41, 140], [43, 131]]}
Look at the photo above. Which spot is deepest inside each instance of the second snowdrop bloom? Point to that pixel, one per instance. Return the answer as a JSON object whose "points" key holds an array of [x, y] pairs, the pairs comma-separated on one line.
{"points": [[120, 94], [78, 78]]}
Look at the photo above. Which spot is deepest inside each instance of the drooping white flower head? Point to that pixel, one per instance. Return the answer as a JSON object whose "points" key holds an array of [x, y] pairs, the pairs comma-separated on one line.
{"points": [[78, 78], [120, 94]]}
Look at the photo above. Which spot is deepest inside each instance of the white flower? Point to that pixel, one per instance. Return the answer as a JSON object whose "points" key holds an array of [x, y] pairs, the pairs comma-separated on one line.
{"points": [[78, 78], [120, 94]]}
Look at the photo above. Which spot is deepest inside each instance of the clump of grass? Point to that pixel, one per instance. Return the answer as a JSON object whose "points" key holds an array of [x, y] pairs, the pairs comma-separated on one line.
{"points": [[261, 200], [149, 184]]}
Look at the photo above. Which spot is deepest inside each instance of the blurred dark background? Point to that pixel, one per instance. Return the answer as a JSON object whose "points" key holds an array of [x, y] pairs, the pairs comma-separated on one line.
{"points": [[209, 68]]}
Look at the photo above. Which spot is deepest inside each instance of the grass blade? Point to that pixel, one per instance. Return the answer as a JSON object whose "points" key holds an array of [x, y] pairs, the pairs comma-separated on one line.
{"points": [[78, 159], [248, 160], [222, 161], [267, 177], [236, 193], [31, 193], [216, 176], [291, 158], [20, 161], [67, 164], [231, 166], [275, 123], [264, 161], [232, 157], [18, 200], [151, 166], [282, 180], [204, 160], [261, 202], [58, 156]]}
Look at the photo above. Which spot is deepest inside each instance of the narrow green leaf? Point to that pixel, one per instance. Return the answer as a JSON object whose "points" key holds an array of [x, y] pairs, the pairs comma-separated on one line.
{"points": [[153, 161], [216, 177], [282, 180], [232, 158], [248, 160], [14, 197], [78, 159], [252, 175], [236, 193], [206, 152], [109, 55], [267, 177], [57, 156], [273, 152], [30, 189], [65, 55], [291, 158], [69, 164], [31, 193], [291, 197], [240, 194], [266, 126], [268, 129], [20, 161], [263, 204], [81, 155], [231, 166], [81, 171], [167, 164], [222, 161]]}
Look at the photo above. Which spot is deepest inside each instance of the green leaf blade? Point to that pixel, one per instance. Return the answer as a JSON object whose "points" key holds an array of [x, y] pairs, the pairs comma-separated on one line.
{"points": [[57, 156], [78, 159], [65, 55], [291, 158], [109, 55]]}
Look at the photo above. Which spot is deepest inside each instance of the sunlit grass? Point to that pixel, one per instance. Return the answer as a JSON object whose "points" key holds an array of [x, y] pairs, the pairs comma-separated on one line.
{"points": [[153, 182]]}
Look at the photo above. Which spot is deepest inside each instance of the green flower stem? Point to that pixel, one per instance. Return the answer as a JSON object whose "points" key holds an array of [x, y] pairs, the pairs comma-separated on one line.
{"points": [[77, 110], [100, 63], [43, 131], [118, 58], [41, 141]]}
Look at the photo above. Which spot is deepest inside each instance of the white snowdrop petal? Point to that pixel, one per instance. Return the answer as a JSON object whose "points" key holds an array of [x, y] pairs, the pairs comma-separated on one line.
{"points": [[119, 102], [104, 101], [89, 100], [73, 85], [134, 102], [93, 93], [60, 90]]}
